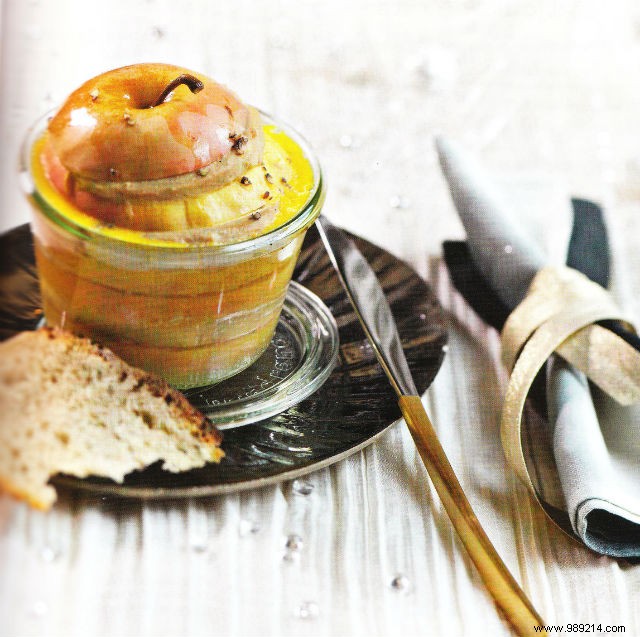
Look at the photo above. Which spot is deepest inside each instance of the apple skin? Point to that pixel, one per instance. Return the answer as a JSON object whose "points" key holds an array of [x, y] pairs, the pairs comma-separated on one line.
{"points": [[108, 130]]}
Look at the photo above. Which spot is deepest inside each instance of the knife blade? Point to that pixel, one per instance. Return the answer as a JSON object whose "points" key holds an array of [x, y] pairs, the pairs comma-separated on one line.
{"points": [[372, 309]]}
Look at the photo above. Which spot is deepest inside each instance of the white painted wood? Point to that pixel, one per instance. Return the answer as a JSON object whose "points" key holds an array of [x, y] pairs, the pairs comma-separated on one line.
{"points": [[547, 94]]}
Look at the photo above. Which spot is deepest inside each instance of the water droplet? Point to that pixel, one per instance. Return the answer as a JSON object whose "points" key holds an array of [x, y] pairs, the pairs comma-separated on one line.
{"points": [[293, 546], [307, 610], [248, 527], [436, 68], [400, 583], [423, 317], [50, 554], [508, 249], [294, 542], [301, 487], [39, 609], [291, 556], [199, 546], [445, 348], [399, 201]]}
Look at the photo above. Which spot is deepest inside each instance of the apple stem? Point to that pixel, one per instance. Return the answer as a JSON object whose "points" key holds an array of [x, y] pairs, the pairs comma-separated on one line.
{"points": [[194, 84]]}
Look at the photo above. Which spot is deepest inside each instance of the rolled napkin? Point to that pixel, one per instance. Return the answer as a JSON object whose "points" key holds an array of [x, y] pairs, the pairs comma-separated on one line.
{"points": [[598, 465], [596, 457]]}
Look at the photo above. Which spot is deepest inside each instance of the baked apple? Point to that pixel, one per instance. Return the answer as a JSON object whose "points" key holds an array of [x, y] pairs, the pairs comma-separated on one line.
{"points": [[169, 216]]}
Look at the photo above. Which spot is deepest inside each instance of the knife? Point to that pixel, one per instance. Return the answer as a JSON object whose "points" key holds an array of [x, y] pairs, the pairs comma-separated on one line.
{"points": [[372, 309]]}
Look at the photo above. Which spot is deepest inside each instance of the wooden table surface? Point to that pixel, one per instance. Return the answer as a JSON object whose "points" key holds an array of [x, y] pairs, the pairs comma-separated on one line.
{"points": [[546, 93]]}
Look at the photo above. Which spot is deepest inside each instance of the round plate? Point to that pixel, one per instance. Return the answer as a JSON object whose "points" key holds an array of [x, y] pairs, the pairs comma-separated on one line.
{"points": [[352, 408]]}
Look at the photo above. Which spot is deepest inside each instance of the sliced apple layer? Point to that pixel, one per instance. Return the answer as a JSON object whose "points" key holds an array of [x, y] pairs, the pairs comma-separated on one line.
{"points": [[275, 189]]}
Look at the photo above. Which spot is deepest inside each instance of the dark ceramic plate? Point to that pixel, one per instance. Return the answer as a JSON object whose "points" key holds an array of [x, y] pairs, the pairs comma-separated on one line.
{"points": [[352, 408]]}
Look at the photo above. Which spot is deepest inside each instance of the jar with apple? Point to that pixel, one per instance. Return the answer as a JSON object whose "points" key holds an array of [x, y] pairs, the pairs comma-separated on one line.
{"points": [[168, 217]]}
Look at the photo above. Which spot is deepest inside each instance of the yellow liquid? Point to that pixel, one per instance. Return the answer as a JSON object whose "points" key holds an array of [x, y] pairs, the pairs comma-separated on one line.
{"points": [[285, 175], [192, 324]]}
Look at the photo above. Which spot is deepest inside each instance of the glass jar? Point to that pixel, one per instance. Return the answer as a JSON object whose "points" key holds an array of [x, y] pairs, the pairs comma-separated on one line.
{"points": [[194, 313]]}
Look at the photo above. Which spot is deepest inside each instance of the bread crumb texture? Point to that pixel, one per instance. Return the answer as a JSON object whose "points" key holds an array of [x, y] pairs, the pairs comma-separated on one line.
{"points": [[69, 406]]}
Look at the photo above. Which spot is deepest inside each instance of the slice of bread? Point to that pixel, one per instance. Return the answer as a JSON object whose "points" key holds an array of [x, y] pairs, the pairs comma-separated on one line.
{"points": [[69, 406]]}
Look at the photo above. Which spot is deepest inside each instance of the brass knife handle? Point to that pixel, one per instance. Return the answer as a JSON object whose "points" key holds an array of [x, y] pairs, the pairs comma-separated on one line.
{"points": [[509, 597]]}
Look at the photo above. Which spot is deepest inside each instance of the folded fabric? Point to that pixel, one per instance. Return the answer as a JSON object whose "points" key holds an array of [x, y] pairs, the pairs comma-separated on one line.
{"points": [[600, 475], [596, 446]]}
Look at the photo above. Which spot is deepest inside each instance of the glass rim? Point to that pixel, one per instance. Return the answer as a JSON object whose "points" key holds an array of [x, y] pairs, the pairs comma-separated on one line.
{"points": [[298, 223]]}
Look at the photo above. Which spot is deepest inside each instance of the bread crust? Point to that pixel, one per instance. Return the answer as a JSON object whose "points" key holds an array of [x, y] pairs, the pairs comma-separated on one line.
{"points": [[202, 427], [170, 414], [10, 488]]}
